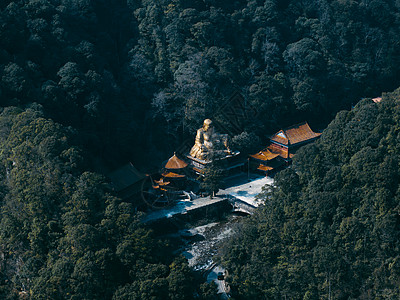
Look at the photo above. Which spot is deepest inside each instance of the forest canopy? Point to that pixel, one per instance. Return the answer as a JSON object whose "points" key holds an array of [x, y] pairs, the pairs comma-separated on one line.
{"points": [[330, 228], [86, 86], [138, 77], [64, 235]]}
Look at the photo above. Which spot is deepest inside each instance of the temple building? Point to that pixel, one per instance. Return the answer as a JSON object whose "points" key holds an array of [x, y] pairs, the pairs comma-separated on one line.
{"points": [[286, 141], [282, 148], [175, 171], [265, 161], [127, 181]]}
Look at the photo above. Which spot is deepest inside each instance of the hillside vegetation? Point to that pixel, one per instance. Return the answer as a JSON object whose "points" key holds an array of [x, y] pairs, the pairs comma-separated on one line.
{"points": [[63, 235], [330, 228], [138, 77], [86, 86]]}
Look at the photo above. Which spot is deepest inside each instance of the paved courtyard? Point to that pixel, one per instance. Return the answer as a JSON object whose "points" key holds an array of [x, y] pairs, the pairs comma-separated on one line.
{"points": [[182, 207], [243, 187], [246, 187]]}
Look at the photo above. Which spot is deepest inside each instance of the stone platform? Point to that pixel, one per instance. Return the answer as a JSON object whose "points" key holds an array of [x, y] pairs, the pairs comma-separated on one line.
{"points": [[229, 163]]}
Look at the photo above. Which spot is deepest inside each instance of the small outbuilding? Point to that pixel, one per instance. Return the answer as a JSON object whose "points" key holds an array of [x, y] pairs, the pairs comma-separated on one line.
{"points": [[377, 99], [127, 181]]}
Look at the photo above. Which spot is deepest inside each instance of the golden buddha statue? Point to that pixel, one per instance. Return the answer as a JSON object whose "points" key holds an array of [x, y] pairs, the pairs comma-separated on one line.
{"points": [[208, 140]]}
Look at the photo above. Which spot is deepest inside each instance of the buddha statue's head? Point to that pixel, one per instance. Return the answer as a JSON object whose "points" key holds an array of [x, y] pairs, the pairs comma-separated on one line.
{"points": [[207, 124]]}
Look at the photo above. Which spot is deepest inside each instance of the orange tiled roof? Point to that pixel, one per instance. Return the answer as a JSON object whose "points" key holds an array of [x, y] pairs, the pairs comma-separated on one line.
{"points": [[294, 135], [284, 153], [175, 163], [172, 175], [264, 168], [264, 155], [157, 187], [161, 182]]}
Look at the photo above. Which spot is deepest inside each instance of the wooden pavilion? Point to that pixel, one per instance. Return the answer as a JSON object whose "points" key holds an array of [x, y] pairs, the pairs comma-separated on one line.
{"points": [[175, 171]]}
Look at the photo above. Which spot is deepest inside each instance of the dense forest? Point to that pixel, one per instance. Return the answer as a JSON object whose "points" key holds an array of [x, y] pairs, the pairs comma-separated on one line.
{"points": [[86, 86], [136, 78], [63, 235], [330, 228]]}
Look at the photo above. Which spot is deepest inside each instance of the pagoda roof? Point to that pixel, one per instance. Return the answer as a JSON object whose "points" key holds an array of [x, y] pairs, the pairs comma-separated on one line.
{"points": [[172, 175], [264, 168], [125, 176], [265, 155], [175, 163], [295, 134], [160, 183]]}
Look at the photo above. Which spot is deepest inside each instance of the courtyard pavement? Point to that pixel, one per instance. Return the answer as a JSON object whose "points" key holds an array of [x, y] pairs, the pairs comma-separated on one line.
{"points": [[243, 186], [246, 187]]}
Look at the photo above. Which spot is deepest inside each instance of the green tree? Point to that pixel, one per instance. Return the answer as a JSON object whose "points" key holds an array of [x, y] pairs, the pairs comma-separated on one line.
{"points": [[213, 176]]}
